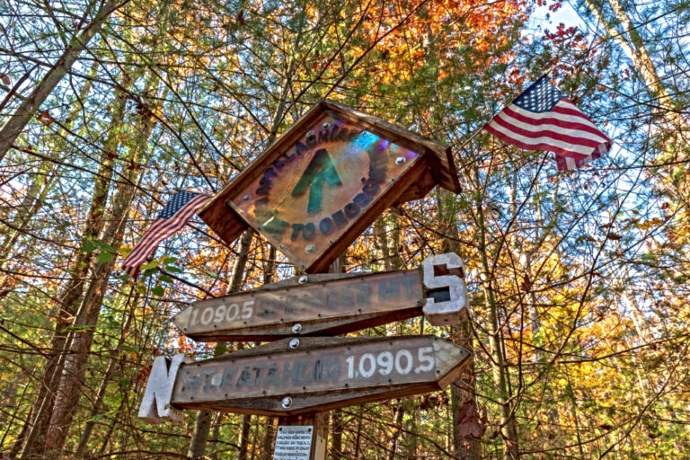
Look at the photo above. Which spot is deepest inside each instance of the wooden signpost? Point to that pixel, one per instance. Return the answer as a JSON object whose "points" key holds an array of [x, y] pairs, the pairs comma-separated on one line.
{"points": [[311, 194]]}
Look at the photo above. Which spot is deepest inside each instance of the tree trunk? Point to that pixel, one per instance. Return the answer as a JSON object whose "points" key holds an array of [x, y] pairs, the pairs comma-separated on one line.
{"points": [[202, 425], [100, 395], [31, 204], [73, 373], [381, 243], [270, 265], [267, 448], [68, 302], [462, 391], [215, 433], [508, 425], [399, 415], [245, 425], [358, 434], [28, 107], [337, 435]]}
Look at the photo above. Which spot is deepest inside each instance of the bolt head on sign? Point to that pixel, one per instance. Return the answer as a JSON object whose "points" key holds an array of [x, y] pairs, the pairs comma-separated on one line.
{"points": [[325, 180]]}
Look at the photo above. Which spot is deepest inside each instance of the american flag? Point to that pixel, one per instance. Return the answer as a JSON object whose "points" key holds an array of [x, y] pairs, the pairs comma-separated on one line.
{"points": [[172, 218], [541, 118]]}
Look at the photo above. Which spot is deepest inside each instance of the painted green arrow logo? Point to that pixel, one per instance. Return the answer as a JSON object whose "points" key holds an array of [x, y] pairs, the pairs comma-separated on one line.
{"points": [[321, 169]]}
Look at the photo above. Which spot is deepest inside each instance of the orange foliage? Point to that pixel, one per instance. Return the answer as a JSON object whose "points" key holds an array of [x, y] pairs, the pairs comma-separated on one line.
{"points": [[409, 34]]}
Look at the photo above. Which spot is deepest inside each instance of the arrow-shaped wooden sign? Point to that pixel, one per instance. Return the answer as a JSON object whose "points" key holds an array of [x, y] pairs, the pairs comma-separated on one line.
{"points": [[317, 304], [332, 304], [295, 376]]}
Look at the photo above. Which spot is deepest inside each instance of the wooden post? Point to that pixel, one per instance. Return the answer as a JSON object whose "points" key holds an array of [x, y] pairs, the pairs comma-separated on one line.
{"points": [[318, 420]]}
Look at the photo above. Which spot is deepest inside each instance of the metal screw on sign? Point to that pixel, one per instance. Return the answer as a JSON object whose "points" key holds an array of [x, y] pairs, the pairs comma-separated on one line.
{"points": [[303, 279], [286, 403], [296, 328], [294, 343], [246, 197], [400, 160], [310, 248], [326, 125]]}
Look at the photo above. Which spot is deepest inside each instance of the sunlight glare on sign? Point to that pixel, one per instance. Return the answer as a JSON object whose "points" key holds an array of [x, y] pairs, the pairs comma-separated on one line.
{"points": [[317, 189]]}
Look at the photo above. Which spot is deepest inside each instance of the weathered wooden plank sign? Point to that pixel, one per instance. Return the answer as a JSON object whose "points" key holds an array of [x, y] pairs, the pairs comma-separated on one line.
{"points": [[323, 182], [294, 376], [319, 304], [329, 304]]}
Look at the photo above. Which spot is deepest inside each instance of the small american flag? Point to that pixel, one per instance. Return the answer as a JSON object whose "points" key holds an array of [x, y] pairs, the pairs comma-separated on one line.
{"points": [[172, 218], [541, 118]]}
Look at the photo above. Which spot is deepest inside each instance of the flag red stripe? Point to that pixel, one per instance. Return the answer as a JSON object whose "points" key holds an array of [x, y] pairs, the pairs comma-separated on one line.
{"points": [[543, 132], [567, 107], [535, 145], [582, 125], [543, 142]]}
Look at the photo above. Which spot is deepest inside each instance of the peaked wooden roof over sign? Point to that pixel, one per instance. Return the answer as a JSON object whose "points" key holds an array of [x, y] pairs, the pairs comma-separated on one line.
{"points": [[325, 180]]}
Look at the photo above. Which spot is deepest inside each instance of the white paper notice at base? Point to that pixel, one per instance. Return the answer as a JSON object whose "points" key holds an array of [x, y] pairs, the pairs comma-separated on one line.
{"points": [[293, 442]]}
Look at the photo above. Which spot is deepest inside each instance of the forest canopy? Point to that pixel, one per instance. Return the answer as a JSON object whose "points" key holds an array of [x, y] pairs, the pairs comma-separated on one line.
{"points": [[578, 320]]}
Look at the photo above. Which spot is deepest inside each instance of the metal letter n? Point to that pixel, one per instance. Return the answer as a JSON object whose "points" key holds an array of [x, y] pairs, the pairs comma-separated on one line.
{"points": [[155, 405]]}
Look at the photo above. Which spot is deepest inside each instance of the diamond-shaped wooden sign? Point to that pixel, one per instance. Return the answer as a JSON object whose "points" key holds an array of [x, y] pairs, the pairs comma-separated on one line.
{"points": [[324, 181]]}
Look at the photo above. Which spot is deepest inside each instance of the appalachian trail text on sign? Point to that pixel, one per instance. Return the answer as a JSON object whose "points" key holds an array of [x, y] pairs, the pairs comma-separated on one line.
{"points": [[324, 181]]}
